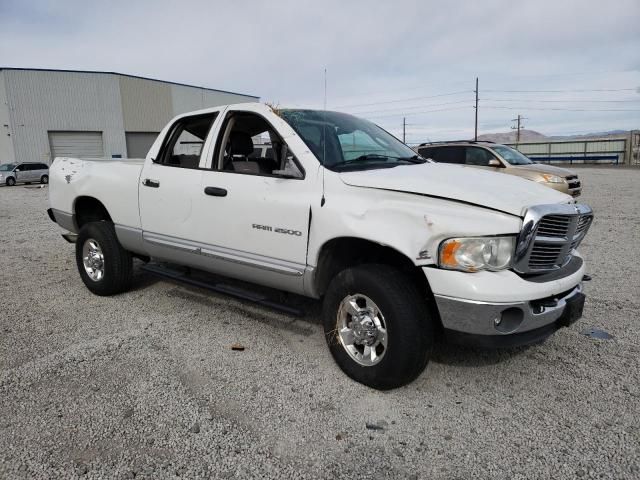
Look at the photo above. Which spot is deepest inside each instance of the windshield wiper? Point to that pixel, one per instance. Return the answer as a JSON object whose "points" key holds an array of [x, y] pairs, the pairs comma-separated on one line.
{"points": [[377, 156], [414, 159], [369, 156]]}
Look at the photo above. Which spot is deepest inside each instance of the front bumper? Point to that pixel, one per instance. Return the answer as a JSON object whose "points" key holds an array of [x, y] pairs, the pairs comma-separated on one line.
{"points": [[506, 324], [574, 189], [504, 308]]}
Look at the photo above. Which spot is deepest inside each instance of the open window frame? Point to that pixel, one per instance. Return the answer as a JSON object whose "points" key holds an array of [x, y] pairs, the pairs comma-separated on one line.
{"points": [[278, 146], [173, 134]]}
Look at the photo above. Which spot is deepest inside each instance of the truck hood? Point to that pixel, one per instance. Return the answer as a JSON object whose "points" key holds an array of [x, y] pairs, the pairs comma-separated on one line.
{"points": [[505, 193], [540, 168]]}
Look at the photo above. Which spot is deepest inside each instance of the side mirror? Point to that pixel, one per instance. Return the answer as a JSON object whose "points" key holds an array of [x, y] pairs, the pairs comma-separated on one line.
{"points": [[494, 163], [17, 170]]}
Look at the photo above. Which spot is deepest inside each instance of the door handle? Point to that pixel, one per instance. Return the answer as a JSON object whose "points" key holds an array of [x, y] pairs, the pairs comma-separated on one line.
{"points": [[151, 183], [215, 191]]}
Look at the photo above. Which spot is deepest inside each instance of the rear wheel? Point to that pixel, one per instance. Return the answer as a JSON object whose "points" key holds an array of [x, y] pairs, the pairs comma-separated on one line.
{"points": [[377, 326], [11, 182], [105, 267], [44, 179]]}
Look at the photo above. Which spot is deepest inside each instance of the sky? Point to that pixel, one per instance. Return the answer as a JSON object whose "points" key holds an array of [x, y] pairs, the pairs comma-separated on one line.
{"points": [[569, 67]]}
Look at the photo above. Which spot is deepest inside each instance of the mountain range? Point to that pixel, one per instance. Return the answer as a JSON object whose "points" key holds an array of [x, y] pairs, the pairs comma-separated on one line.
{"points": [[533, 136]]}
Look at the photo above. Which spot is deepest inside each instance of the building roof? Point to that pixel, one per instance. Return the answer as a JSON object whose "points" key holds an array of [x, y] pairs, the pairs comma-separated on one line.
{"points": [[125, 75]]}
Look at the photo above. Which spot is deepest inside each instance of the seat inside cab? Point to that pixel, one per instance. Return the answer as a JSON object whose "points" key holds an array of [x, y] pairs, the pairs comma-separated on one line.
{"points": [[251, 145]]}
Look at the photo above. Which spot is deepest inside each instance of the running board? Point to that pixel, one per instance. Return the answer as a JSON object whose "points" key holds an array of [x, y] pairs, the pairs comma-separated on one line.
{"points": [[230, 290]]}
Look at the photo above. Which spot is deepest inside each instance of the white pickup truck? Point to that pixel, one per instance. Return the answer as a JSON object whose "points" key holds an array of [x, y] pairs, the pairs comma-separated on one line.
{"points": [[400, 249]]}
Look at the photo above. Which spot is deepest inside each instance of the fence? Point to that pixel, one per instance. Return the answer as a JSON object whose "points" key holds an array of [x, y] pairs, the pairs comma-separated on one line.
{"points": [[577, 151]]}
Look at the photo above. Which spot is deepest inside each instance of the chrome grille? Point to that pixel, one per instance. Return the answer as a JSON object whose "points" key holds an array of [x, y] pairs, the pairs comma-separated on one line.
{"points": [[554, 226], [550, 234], [544, 256]]}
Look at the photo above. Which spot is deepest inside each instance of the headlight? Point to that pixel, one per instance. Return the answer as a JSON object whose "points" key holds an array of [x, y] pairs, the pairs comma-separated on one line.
{"points": [[548, 178], [477, 253]]}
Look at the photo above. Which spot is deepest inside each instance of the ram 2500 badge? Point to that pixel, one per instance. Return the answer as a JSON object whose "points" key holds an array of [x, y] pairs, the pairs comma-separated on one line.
{"points": [[398, 248]]}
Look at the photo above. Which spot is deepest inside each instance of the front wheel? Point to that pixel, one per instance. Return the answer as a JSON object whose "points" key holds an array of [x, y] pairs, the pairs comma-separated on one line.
{"points": [[378, 326], [44, 179], [11, 182], [105, 267]]}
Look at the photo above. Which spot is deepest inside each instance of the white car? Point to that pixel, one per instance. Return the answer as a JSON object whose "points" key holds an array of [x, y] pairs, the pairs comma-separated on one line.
{"points": [[27, 172], [400, 249]]}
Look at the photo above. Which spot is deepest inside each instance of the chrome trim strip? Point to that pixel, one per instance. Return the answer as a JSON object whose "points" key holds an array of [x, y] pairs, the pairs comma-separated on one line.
{"points": [[226, 254], [309, 282], [251, 262], [169, 243], [65, 220], [130, 238]]}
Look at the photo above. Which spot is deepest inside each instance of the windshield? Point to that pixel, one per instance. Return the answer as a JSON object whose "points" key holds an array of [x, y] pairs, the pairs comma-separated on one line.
{"points": [[7, 167], [351, 143], [512, 156]]}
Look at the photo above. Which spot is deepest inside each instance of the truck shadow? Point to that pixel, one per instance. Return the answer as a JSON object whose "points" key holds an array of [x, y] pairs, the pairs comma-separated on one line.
{"points": [[309, 312], [141, 280], [462, 356]]}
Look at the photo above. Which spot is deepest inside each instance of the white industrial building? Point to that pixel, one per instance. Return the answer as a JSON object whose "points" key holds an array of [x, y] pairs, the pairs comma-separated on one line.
{"points": [[50, 113]]}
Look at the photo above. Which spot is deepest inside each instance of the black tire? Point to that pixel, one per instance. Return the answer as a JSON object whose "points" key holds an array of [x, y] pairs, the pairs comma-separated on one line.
{"points": [[117, 265], [409, 325], [11, 182], [44, 179]]}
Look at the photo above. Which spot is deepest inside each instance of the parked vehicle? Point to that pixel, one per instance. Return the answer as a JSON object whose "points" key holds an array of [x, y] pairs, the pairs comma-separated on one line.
{"points": [[11, 173], [399, 248], [503, 159]]}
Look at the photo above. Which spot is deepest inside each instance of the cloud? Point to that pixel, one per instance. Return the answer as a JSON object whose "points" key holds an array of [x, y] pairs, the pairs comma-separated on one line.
{"points": [[373, 52]]}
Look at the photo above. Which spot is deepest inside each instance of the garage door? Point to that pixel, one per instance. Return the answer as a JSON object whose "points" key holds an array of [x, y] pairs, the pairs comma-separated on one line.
{"points": [[139, 143], [76, 144]]}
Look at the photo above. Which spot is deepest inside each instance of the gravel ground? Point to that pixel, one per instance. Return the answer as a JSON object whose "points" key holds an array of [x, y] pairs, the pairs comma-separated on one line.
{"points": [[145, 385]]}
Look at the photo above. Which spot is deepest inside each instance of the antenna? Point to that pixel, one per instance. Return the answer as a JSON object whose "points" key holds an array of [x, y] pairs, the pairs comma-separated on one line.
{"points": [[324, 136], [325, 89], [475, 136]]}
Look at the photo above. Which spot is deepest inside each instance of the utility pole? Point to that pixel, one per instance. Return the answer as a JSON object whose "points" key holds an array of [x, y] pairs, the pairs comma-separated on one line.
{"points": [[475, 137], [404, 129], [517, 127]]}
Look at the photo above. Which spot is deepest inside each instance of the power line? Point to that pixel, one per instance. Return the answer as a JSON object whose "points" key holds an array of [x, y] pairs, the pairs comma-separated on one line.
{"points": [[420, 113], [403, 109], [413, 89], [569, 74], [555, 101], [566, 109], [402, 100], [565, 91]]}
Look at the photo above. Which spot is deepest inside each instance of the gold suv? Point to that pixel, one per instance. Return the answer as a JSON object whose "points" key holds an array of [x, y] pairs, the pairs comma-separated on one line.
{"points": [[500, 158]]}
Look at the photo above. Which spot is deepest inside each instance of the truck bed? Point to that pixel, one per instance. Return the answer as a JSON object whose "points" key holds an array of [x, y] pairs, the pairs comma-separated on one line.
{"points": [[112, 182]]}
